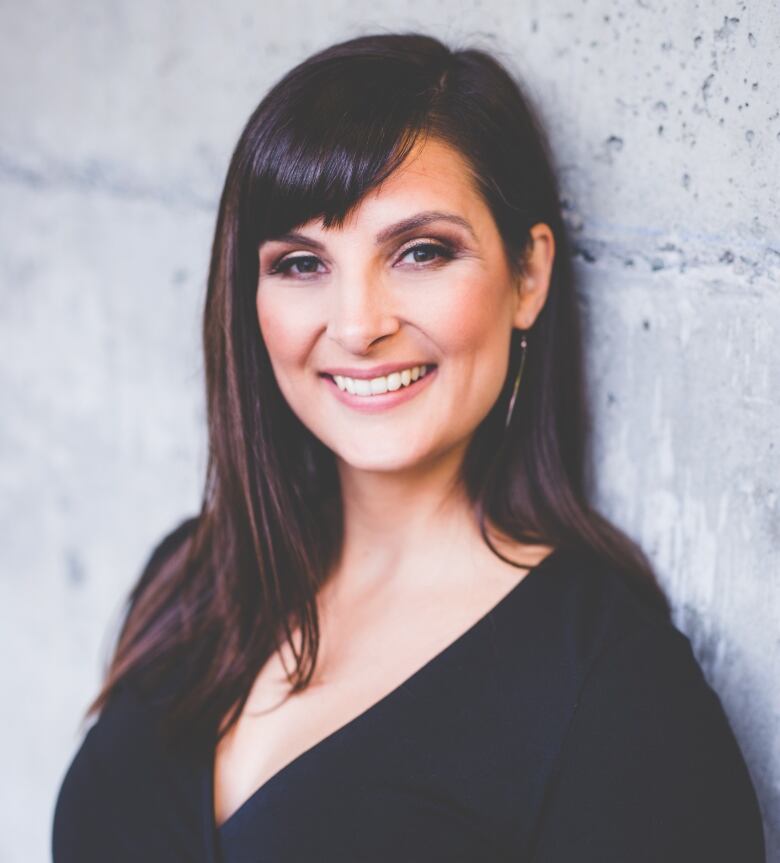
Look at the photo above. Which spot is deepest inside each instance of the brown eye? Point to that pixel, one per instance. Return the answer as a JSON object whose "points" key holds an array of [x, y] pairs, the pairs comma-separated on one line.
{"points": [[307, 263], [424, 252]]}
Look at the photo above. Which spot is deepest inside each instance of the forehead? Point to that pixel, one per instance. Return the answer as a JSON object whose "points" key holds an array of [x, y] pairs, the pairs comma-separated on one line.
{"points": [[435, 165], [433, 176]]}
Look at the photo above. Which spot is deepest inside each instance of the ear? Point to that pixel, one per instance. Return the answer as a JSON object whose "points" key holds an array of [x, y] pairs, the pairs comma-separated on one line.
{"points": [[534, 282]]}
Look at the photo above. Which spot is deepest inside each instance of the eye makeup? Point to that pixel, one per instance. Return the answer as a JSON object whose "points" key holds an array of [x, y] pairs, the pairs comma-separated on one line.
{"points": [[443, 248]]}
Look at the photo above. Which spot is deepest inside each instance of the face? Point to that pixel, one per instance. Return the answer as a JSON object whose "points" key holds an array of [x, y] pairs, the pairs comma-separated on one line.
{"points": [[356, 310]]}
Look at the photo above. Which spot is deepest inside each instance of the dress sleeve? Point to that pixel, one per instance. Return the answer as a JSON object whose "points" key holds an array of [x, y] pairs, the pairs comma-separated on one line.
{"points": [[74, 838], [650, 770], [114, 797]]}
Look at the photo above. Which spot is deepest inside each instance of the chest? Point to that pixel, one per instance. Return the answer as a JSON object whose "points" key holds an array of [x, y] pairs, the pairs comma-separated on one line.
{"points": [[450, 765], [368, 653]]}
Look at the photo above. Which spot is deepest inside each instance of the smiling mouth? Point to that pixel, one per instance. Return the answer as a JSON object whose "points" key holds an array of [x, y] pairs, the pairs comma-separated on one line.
{"points": [[366, 401], [372, 387]]}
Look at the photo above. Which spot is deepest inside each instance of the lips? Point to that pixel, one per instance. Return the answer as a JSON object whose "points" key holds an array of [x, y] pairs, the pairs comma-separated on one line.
{"points": [[378, 402], [376, 371]]}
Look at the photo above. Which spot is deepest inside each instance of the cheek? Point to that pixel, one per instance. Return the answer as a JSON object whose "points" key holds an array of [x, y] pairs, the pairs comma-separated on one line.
{"points": [[283, 329], [474, 319], [474, 330]]}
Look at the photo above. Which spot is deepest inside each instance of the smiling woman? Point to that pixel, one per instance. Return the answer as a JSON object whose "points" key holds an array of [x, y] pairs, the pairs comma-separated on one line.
{"points": [[451, 313], [397, 630]]}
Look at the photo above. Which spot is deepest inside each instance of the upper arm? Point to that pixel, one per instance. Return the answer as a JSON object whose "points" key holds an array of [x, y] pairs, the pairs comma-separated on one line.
{"points": [[126, 797], [76, 813], [118, 772], [650, 770]]}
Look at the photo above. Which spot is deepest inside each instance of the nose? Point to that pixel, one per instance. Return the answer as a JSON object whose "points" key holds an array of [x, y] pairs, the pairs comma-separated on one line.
{"points": [[361, 313]]}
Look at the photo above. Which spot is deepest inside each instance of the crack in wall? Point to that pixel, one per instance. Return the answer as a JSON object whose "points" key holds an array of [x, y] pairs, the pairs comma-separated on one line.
{"points": [[96, 177], [669, 256]]}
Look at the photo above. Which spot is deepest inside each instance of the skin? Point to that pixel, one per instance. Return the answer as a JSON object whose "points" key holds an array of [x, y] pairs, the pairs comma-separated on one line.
{"points": [[365, 304], [414, 562]]}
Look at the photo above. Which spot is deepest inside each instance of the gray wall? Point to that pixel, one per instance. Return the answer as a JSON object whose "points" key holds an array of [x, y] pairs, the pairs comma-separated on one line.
{"points": [[116, 126]]}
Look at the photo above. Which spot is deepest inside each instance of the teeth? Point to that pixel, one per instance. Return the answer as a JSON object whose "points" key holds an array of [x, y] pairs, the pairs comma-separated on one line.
{"points": [[376, 386]]}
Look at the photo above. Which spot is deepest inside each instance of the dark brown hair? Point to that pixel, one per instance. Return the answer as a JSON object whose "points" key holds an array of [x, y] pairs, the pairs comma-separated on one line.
{"points": [[221, 592]]}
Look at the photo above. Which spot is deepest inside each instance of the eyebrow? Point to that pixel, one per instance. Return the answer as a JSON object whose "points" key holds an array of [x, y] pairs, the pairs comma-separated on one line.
{"points": [[419, 220]]}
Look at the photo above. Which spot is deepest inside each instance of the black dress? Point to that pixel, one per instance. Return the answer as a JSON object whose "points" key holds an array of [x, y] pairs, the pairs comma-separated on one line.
{"points": [[567, 725]]}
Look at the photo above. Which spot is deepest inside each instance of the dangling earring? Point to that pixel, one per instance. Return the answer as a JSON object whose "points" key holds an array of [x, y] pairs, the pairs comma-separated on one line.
{"points": [[523, 346]]}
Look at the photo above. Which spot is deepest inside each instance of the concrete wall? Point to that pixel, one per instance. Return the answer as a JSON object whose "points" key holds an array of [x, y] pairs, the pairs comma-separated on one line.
{"points": [[116, 126]]}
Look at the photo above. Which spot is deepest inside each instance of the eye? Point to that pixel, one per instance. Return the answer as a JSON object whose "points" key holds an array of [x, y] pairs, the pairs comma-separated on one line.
{"points": [[308, 263], [427, 249]]}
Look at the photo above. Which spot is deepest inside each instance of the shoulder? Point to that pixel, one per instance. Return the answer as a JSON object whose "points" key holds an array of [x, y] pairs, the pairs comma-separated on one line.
{"points": [[579, 606], [637, 673], [648, 767], [173, 539], [170, 544], [615, 638]]}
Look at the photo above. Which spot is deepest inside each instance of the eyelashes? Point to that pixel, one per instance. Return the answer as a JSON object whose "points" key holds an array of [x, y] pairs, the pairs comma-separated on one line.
{"points": [[444, 252]]}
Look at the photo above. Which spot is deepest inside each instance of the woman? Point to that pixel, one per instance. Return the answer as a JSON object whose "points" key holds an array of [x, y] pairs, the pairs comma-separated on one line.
{"points": [[396, 630]]}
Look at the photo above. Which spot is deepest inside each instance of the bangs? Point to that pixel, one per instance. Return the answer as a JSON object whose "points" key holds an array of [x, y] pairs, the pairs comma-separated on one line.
{"points": [[337, 135]]}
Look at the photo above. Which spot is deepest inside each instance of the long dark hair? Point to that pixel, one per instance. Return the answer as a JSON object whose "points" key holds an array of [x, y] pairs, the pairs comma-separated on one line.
{"points": [[224, 589]]}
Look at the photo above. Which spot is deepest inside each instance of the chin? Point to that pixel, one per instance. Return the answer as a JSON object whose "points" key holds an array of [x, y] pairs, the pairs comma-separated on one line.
{"points": [[383, 462]]}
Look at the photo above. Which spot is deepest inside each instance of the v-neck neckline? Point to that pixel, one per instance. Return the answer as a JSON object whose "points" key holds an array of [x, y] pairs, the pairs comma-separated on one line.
{"points": [[215, 831]]}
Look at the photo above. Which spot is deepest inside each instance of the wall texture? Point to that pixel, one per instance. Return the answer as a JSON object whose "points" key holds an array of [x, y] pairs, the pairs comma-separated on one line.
{"points": [[116, 126]]}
